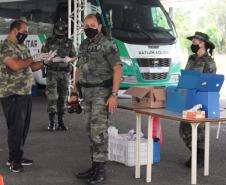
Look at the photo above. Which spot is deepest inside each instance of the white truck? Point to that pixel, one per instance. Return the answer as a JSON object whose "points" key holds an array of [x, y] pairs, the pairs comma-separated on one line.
{"points": [[143, 32]]}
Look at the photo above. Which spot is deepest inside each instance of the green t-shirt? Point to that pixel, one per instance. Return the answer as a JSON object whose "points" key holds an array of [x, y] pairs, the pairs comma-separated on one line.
{"points": [[12, 82]]}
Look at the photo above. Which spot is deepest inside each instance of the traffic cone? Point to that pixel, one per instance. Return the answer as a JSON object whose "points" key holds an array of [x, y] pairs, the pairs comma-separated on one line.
{"points": [[1, 180]]}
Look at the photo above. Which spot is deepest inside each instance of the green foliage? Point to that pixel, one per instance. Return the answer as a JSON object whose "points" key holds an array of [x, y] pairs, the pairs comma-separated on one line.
{"points": [[208, 17], [182, 25], [215, 36]]}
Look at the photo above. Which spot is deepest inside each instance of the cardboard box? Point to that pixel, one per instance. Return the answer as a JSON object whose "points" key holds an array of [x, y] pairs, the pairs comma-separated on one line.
{"points": [[178, 100], [151, 97], [200, 81]]}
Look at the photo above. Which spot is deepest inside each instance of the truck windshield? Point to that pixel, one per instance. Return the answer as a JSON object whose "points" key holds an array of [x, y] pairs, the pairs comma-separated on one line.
{"points": [[138, 21]]}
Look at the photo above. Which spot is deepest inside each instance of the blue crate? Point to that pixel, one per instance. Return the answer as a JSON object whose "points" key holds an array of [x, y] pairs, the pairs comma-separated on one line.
{"points": [[178, 100], [210, 103], [156, 150], [188, 79], [200, 81]]}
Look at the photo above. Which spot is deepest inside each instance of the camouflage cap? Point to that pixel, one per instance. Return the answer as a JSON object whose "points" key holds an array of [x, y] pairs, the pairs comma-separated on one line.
{"points": [[60, 27], [24, 19]]}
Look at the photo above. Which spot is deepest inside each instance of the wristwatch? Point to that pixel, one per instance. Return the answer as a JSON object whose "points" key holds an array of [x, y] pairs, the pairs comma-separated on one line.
{"points": [[114, 94]]}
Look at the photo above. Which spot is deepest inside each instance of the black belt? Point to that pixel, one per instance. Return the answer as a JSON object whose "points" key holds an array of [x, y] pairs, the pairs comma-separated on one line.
{"points": [[58, 68], [105, 84]]}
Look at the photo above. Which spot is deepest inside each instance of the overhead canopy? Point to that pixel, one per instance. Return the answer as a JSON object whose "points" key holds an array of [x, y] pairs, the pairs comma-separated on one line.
{"points": [[7, 1], [36, 10], [40, 10]]}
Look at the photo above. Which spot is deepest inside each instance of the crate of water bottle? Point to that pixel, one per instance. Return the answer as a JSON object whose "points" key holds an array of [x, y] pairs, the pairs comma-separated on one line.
{"points": [[130, 152], [121, 149]]}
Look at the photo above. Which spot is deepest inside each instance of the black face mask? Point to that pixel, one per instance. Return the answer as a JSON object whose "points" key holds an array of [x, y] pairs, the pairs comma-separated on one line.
{"points": [[195, 48], [21, 37], [91, 32], [59, 36]]}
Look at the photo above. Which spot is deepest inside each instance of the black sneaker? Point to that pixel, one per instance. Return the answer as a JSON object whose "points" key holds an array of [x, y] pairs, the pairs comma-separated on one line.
{"points": [[87, 174], [51, 127], [16, 167], [8, 163], [24, 162], [62, 128]]}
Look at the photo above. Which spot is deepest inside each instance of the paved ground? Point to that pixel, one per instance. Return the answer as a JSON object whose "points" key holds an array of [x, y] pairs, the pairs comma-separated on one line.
{"points": [[59, 156]]}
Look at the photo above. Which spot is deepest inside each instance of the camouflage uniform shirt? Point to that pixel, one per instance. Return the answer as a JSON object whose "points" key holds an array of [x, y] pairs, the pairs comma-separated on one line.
{"points": [[203, 64], [11, 82], [97, 59], [64, 48]]}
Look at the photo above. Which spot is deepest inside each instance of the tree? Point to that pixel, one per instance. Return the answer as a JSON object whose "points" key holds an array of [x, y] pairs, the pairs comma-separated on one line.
{"points": [[208, 17]]}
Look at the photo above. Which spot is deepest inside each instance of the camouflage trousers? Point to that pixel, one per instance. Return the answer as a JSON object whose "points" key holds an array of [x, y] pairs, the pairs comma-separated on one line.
{"points": [[96, 113], [57, 91], [186, 134]]}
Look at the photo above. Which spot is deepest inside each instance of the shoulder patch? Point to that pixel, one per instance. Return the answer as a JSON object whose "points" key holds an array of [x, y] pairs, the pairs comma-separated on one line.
{"points": [[115, 47]]}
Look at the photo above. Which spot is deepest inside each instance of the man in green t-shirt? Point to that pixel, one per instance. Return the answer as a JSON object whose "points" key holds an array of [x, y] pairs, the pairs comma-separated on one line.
{"points": [[16, 66]]}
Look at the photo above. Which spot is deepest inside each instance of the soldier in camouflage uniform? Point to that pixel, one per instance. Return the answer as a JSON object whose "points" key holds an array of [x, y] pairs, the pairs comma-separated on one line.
{"points": [[99, 73], [16, 66], [203, 62], [58, 73]]}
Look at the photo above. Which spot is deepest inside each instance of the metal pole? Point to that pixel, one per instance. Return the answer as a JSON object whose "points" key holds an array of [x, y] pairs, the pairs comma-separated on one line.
{"points": [[194, 153], [85, 8], [149, 149], [79, 20], [137, 148], [69, 18], [75, 23], [207, 149]]}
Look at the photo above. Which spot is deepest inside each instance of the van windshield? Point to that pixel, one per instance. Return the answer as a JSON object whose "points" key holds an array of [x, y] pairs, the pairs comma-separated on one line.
{"points": [[138, 21]]}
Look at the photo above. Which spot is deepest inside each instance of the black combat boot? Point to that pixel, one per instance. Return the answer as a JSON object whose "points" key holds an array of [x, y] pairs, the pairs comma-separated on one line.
{"points": [[200, 159], [88, 173], [99, 175], [51, 126], [61, 125]]}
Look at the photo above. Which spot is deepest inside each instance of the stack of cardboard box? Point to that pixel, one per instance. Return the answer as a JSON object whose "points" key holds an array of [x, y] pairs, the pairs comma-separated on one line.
{"points": [[147, 97]]}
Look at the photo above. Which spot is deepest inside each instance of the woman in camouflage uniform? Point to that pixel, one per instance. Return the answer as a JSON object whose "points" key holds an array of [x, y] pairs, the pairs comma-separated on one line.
{"points": [[203, 62]]}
